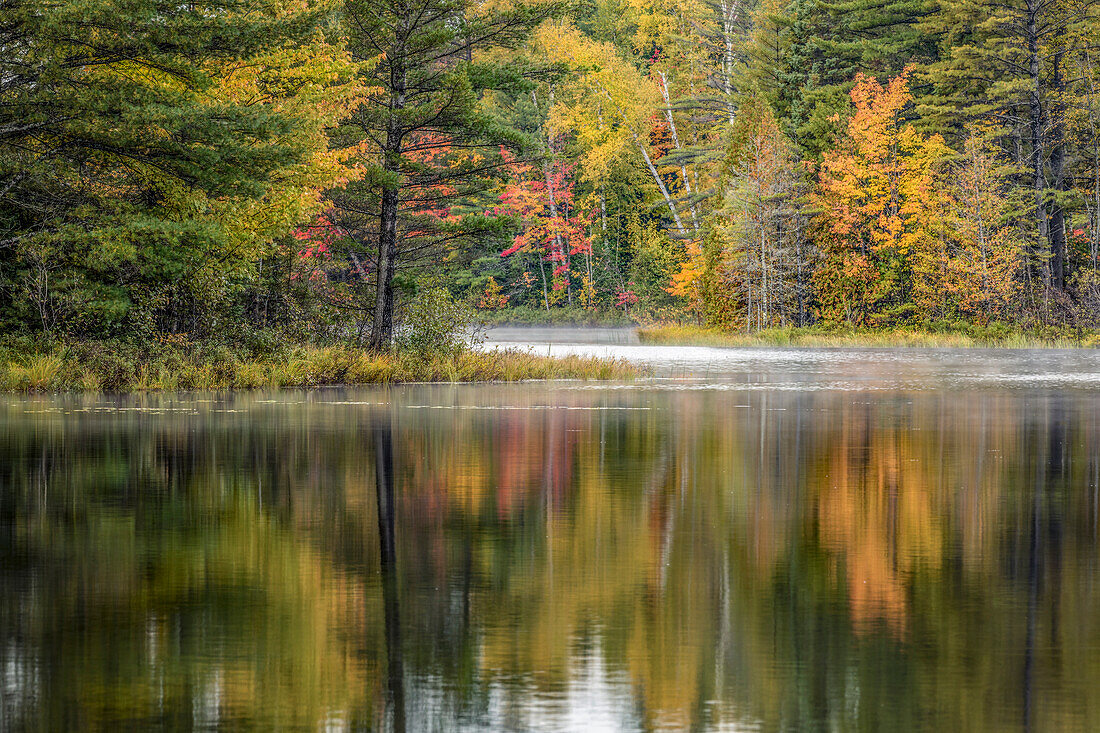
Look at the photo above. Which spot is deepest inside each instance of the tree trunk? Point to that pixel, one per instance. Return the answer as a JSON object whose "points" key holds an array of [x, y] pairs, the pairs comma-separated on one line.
{"points": [[382, 329], [381, 335], [662, 188], [652, 168], [1056, 229], [1035, 109], [729, 10], [676, 142], [1094, 213]]}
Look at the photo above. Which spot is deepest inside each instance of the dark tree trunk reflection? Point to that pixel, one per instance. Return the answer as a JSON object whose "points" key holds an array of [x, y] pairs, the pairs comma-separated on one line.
{"points": [[383, 471]]}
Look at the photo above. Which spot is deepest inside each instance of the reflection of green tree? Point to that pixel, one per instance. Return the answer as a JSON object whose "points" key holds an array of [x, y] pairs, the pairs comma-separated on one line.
{"points": [[153, 589]]}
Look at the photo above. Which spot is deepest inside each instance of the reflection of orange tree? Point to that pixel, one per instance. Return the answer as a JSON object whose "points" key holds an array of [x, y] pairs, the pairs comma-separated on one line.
{"points": [[726, 554], [879, 513], [519, 454], [579, 550]]}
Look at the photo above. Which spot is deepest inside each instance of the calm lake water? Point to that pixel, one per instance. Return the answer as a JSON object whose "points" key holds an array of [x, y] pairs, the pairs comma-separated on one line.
{"points": [[753, 539]]}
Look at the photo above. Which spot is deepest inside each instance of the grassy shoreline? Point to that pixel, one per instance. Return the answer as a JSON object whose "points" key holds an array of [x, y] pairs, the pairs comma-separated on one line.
{"points": [[674, 335], [118, 367]]}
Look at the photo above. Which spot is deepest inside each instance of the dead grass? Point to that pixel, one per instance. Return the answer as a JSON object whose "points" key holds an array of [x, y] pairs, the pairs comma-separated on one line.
{"points": [[95, 367]]}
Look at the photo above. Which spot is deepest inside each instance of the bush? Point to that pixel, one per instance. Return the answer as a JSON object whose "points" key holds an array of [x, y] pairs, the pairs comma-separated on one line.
{"points": [[434, 322], [112, 362]]}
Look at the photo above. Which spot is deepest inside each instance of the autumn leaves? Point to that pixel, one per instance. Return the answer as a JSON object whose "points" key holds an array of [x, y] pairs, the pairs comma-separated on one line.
{"points": [[894, 225], [902, 221]]}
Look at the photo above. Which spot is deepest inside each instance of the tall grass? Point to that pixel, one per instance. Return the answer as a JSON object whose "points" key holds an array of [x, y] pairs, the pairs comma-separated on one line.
{"points": [[36, 372], [97, 366], [812, 337]]}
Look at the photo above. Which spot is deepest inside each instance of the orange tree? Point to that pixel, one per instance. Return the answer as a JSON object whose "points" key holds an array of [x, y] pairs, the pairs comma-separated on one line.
{"points": [[874, 202]]}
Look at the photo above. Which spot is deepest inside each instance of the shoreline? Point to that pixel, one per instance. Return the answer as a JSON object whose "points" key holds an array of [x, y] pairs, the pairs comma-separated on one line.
{"points": [[809, 337], [111, 367]]}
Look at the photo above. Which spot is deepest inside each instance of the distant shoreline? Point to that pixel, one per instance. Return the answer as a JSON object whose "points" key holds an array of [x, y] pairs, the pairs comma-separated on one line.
{"points": [[673, 335]]}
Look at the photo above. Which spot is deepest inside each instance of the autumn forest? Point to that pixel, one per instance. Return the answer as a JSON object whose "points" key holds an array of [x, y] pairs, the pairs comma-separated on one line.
{"points": [[354, 172]]}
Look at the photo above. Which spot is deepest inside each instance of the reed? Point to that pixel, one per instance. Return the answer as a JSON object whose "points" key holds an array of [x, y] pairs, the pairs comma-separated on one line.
{"points": [[92, 366], [36, 372]]}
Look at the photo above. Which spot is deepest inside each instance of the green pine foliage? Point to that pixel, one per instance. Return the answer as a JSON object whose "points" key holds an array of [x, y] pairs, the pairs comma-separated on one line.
{"points": [[113, 153]]}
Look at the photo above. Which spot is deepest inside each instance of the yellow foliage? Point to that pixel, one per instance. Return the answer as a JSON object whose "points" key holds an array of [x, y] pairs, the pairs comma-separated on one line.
{"points": [[607, 104], [686, 282], [326, 87]]}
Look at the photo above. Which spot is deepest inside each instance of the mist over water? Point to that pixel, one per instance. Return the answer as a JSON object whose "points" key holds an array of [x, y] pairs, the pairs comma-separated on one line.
{"points": [[754, 539], [786, 368]]}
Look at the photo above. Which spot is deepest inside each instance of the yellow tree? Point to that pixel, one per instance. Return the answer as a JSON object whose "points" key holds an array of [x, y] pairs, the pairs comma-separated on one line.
{"points": [[608, 106], [987, 257]]}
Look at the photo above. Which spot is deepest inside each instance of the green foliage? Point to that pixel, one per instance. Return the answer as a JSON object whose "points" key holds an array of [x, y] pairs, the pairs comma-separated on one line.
{"points": [[433, 321], [655, 261], [126, 153]]}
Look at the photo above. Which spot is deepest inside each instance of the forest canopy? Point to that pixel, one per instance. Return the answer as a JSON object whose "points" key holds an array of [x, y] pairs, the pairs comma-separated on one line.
{"points": [[317, 170]]}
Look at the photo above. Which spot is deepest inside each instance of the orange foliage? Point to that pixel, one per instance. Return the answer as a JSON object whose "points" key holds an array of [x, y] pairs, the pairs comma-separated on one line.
{"points": [[876, 201], [686, 283]]}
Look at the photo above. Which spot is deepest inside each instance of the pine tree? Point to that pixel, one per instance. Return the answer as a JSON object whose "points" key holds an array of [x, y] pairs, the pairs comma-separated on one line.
{"points": [[120, 158], [1012, 65], [818, 46], [428, 144]]}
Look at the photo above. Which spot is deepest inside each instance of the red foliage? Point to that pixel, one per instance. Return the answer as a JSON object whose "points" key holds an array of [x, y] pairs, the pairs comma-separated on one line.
{"points": [[624, 298], [528, 197]]}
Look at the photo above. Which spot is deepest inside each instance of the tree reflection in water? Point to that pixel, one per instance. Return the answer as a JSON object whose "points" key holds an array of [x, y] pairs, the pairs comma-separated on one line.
{"points": [[383, 471], [635, 559]]}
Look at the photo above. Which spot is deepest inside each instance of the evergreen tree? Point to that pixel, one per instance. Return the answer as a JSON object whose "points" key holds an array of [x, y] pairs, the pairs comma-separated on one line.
{"points": [[1013, 65], [116, 149], [429, 146], [815, 48]]}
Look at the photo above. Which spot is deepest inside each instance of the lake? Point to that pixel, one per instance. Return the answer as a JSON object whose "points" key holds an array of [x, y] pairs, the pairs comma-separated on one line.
{"points": [[750, 539]]}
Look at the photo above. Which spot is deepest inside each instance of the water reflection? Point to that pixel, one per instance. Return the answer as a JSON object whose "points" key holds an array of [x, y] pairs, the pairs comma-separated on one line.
{"points": [[547, 558], [387, 529]]}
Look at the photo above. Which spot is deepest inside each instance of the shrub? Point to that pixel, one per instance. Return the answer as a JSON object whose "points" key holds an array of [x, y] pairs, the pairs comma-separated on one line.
{"points": [[434, 322]]}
